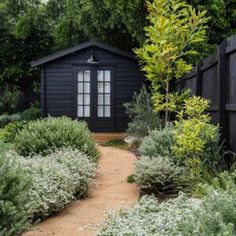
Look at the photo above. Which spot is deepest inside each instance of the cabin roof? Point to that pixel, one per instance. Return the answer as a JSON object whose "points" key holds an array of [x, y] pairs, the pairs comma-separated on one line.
{"points": [[79, 47]]}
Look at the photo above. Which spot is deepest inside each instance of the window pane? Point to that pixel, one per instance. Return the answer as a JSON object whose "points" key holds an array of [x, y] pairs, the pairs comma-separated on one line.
{"points": [[80, 88], [107, 88], [86, 111], [107, 75], [87, 99], [100, 75], [87, 76], [107, 99], [80, 75], [100, 87], [80, 111], [86, 87], [80, 99], [107, 111], [100, 111], [100, 99]]}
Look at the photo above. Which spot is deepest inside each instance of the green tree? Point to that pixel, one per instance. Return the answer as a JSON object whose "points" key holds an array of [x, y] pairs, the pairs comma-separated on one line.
{"points": [[174, 27]]}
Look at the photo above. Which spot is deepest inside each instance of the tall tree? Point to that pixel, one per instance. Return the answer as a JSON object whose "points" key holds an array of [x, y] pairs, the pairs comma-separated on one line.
{"points": [[174, 29]]}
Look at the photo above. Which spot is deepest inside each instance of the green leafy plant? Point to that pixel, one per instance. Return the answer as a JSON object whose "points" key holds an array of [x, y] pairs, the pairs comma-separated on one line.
{"points": [[57, 179], [43, 136], [194, 136], [173, 32], [214, 215], [14, 187], [9, 99], [11, 130], [6, 119], [140, 111], [158, 143], [32, 113], [160, 175]]}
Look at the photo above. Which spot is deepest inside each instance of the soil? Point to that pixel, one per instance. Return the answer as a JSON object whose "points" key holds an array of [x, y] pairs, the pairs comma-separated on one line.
{"points": [[111, 192]]}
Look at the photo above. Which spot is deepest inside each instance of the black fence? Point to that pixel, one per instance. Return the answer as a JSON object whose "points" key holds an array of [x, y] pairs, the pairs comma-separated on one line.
{"points": [[215, 79]]}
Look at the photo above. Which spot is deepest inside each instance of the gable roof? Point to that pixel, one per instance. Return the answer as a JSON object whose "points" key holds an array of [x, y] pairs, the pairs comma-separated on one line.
{"points": [[78, 47]]}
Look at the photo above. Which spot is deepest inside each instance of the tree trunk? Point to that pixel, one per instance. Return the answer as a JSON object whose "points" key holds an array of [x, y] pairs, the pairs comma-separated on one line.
{"points": [[167, 101]]}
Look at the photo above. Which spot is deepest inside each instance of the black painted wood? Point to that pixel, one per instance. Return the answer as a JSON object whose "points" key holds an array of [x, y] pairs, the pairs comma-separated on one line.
{"points": [[59, 85], [215, 79]]}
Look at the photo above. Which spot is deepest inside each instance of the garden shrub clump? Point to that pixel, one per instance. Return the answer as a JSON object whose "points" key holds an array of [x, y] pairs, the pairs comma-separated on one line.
{"points": [[6, 119], [142, 115], [158, 142], [215, 215], [14, 188], [43, 136], [160, 175], [57, 179]]}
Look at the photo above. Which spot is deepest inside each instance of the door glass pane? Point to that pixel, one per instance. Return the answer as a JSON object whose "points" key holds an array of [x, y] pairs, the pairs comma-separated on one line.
{"points": [[100, 75], [100, 99], [107, 87], [80, 75], [107, 99], [80, 87], [83, 93], [107, 75], [107, 111], [80, 99], [80, 111], [86, 87], [100, 111], [87, 111], [87, 76], [100, 87], [87, 99]]}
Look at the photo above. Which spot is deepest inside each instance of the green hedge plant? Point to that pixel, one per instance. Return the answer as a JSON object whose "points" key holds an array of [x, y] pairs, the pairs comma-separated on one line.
{"points": [[160, 175], [14, 188], [43, 136], [158, 143]]}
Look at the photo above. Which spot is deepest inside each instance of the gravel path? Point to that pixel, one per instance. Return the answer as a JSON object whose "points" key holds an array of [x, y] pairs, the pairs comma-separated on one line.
{"points": [[111, 192]]}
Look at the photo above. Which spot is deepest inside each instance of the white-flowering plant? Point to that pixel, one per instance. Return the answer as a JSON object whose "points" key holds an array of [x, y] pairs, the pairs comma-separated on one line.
{"points": [[57, 179]]}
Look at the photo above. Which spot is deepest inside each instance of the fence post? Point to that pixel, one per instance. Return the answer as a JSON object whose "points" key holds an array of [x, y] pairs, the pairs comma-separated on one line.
{"points": [[222, 91], [199, 80]]}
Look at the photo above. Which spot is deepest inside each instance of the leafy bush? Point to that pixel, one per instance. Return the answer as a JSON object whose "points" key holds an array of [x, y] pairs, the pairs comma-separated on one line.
{"points": [[57, 179], [6, 119], [194, 136], [158, 142], [43, 136], [160, 175], [14, 187], [33, 113], [216, 215], [143, 118], [9, 99], [11, 130]]}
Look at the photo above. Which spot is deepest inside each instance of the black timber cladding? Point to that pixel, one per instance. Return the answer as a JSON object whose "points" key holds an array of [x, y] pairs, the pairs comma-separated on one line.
{"points": [[58, 86]]}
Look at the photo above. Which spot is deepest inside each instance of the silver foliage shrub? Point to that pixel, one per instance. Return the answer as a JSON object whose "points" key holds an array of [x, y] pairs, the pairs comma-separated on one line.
{"points": [[160, 175], [57, 179], [158, 142], [216, 215]]}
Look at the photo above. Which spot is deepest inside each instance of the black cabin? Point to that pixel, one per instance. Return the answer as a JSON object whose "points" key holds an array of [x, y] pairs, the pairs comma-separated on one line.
{"points": [[90, 82]]}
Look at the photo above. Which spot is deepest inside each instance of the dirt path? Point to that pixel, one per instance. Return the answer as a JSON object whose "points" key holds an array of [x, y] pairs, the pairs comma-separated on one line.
{"points": [[111, 191]]}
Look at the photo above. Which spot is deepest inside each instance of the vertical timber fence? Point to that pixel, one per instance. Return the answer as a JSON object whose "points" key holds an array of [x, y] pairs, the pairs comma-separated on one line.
{"points": [[215, 79]]}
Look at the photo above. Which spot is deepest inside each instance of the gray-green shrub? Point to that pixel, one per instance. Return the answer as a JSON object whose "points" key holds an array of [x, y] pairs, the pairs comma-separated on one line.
{"points": [[43, 136], [57, 179], [158, 142], [6, 119], [216, 215], [14, 187], [142, 115], [160, 175]]}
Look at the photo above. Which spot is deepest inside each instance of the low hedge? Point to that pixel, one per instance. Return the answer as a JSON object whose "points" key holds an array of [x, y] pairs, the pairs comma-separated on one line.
{"points": [[46, 135]]}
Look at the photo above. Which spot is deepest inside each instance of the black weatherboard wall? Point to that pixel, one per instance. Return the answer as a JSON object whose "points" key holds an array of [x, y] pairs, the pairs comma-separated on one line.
{"points": [[60, 87], [215, 79]]}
